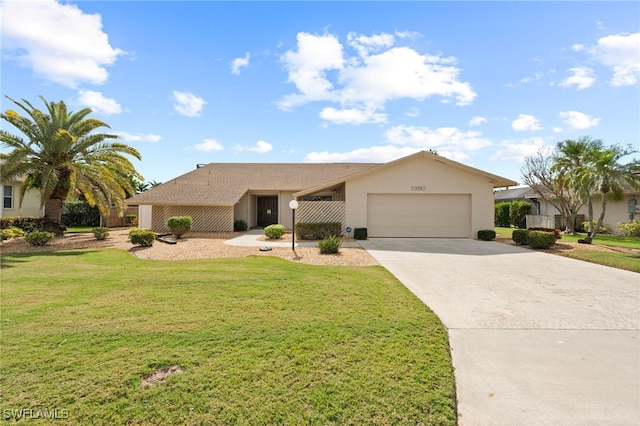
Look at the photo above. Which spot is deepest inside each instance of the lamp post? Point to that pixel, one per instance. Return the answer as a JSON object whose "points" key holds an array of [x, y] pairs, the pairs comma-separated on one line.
{"points": [[293, 205]]}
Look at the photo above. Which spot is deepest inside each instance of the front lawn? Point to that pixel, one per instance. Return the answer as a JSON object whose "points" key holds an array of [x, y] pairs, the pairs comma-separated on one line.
{"points": [[260, 340]]}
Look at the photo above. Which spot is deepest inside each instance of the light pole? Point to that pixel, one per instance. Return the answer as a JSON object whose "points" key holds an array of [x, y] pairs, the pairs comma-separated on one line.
{"points": [[293, 205]]}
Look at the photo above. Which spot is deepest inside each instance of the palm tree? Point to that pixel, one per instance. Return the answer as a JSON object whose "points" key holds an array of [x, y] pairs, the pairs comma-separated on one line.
{"points": [[60, 156], [605, 174]]}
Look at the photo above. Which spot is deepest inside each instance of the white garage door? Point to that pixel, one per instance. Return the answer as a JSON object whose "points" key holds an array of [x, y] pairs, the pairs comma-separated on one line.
{"points": [[419, 215]]}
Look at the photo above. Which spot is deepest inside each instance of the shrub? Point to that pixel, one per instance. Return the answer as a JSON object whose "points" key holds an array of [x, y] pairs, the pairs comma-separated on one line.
{"points": [[502, 214], [318, 230], [275, 231], [486, 234], [101, 233], [360, 233], [141, 237], [179, 225], [518, 211], [603, 228], [39, 238], [5, 234], [541, 239], [556, 232], [240, 225], [520, 236], [330, 245], [80, 213], [630, 229], [25, 223], [131, 219]]}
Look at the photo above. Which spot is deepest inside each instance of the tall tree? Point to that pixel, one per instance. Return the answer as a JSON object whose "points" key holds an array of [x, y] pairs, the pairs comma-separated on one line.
{"points": [[552, 186], [60, 155]]}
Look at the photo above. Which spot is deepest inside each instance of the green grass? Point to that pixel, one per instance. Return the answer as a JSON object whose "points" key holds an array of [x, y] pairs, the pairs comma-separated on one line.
{"points": [[78, 229], [261, 341]]}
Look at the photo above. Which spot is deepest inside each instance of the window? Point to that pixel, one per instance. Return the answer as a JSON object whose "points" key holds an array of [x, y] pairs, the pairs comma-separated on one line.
{"points": [[7, 197], [317, 198]]}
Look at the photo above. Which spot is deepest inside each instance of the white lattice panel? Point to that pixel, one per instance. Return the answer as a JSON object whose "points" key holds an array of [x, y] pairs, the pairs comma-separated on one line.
{"points": [[205, 219], [321, 211]]}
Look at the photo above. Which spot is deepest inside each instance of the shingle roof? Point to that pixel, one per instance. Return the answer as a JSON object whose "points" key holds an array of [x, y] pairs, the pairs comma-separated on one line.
{"points": [[226, 183]]}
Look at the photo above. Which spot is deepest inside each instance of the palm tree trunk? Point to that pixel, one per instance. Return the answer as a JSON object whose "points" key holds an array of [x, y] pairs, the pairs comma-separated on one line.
{"points": [[53, 212], [593, 234]]}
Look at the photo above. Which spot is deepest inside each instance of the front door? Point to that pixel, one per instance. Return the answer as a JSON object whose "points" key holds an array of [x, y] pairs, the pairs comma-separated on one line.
{"points": [[267, 211]]}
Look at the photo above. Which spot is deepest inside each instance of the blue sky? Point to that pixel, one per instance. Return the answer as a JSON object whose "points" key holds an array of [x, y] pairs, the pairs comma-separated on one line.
{"points": [[483, 83]]}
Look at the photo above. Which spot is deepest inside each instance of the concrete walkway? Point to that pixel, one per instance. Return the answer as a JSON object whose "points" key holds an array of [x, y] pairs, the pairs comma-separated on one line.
{"points": [[536, 339]]}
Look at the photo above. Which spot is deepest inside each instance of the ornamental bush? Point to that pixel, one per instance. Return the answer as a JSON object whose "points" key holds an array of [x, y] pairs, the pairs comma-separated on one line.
{"points": [[330, 245], [556, 232], [520, 236], [141, 237], [360, 233], [239, 225], [39, 238], [13, 232], [274, 232], [541, 239], [630, 229], [179, 225], [101, 233], [603, 229], [486, 234], [318, 230], [518, 211]]}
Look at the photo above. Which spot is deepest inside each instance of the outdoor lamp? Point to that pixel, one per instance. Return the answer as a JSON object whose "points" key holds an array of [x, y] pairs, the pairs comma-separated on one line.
{"points": [[293, 205]]}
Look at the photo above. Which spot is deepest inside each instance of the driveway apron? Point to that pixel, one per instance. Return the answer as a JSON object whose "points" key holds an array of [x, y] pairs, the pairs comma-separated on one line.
{"points": [[536, 339]]}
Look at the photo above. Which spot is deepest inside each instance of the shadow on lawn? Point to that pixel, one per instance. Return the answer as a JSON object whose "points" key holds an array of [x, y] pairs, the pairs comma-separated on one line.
{"points": [[8, 260]]}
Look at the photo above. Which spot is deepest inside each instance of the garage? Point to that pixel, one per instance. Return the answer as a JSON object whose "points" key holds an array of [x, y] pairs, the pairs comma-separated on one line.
{"points": [[419, 215]]}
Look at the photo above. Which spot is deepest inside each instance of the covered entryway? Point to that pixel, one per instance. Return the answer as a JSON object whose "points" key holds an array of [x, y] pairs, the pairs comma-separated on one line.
{"points": [[419, 215], [267, 211]]}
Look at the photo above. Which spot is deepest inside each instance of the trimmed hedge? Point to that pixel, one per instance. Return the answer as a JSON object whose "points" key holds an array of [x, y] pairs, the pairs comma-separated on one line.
{"points": [[541, 239], [25, 223], [518, 211], [555, 232], [141, 237], [80, 213], [39, 238], [330, 245], [360, 233], [502, 214], [520, 236], [318, 230], [486, 234], [239, 225], [179, 225], [275, 231]]}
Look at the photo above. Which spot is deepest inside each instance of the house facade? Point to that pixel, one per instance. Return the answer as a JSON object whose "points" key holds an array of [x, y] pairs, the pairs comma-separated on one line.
{"points": [[11, 201], [422, 195]]}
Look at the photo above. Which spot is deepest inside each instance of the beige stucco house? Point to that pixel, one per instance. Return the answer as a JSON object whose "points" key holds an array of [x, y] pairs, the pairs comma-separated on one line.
{"points": [[421, 195], [11, 201]]}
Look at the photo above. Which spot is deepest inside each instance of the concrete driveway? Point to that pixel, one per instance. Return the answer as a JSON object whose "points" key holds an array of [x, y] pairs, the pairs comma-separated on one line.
{"points": [[536, 339]]}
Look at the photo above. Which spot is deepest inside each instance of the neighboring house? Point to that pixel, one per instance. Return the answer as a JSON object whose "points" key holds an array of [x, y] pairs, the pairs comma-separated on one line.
{"points": [[11, 201], [421, 195], [625, 210]]}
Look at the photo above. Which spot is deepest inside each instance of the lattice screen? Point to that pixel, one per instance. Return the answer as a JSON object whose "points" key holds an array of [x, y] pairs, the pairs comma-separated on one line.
{"points": [[205, 219], [321, 211]]}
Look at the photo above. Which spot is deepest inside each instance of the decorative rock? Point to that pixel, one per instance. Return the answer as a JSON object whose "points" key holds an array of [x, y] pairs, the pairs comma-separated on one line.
{"points": [[265, 248]]}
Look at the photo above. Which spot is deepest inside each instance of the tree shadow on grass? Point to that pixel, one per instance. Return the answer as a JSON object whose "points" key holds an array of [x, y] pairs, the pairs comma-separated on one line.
{"points": [[10, 260]]}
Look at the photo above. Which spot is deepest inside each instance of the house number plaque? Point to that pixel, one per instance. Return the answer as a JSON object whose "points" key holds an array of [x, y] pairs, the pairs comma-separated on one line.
{"points": [[418, 188]]}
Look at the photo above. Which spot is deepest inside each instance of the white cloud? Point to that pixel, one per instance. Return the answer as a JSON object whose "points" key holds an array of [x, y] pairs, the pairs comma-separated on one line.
{"points": [[188, 104], [261, 147], [621, 52], [526, 122], [577, 47], [138, 137], [582, 78], [375, 154], [518, 151], [208, 145], [477, 120], [374, 73], [59, 42], [352, 116], [239, 63], [578, 120], [98, 103]]}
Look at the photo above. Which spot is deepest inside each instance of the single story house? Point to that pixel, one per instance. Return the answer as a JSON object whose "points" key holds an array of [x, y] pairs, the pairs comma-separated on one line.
{"points": [[421, 195], [11, 201], [624, 210]]}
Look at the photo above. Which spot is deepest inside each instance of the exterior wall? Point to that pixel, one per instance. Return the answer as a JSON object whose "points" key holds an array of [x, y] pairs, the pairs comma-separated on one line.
{"points": [[144, 216], [205, 219], [30, 203], [421, 176], [617, 211]]}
